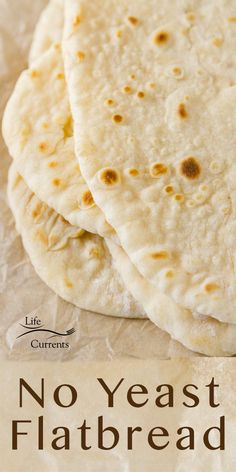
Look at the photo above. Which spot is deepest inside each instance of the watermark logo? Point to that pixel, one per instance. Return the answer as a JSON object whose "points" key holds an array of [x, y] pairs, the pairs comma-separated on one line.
{"points": [[33, 328]]}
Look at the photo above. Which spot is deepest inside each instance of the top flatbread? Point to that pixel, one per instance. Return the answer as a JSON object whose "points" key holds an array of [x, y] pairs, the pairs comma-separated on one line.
{"points": [[152, 94]]}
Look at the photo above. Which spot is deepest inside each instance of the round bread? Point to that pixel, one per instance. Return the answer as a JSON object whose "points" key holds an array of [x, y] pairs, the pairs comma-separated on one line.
{"points": [[152, 91], [75, 264]]}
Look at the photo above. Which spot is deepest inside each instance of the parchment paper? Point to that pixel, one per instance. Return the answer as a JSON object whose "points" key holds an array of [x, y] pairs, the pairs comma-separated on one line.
{"points": [[21, 291]]}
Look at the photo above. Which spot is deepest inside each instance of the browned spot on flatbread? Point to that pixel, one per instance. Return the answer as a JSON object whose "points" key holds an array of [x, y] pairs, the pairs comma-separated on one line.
{"points": [[177, 71], [37, 211], [68, 127], [119, 34], [60, 76], [42, 237], [68, 283], [211, 287], [80, 56], [169, 189], [217, 42], [140, 94], [76, 21], [52, 164], [161, 38], [133, 20], [118, 119], [35, 73], [182, 111], [95, 253], [179, 197], [190, 168], [157, 169], [159, 255], [43, 146], [57, 46], [127, 89], [87, 199], [133, 172], [77, 168], [190, 16], [109, 102], [56, 182], [17, 180], [109, 177]]}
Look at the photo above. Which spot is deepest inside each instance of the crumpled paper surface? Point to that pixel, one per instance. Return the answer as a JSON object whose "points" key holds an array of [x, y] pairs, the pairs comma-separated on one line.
{"points": [[22, 293]]}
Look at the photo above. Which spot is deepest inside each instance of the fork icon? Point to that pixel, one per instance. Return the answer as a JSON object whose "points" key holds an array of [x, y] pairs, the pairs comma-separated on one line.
{"points": [[70, 331], [67, 333]]}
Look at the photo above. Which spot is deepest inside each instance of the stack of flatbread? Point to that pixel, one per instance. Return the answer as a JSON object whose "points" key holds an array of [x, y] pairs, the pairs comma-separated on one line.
{"points": [[123, 183]]}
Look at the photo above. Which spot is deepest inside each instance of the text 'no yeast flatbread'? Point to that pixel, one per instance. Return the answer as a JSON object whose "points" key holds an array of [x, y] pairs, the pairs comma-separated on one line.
{"points": [[152, 94]]}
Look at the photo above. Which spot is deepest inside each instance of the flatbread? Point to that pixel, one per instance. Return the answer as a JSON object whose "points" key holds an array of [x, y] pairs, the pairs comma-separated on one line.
{"points": [[78, 267], [75, 264], [38, 130], [152, 91], [48, 30], [205, 334]]}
